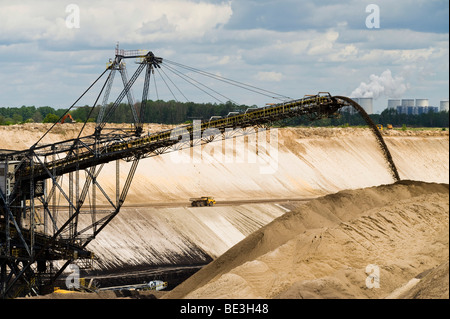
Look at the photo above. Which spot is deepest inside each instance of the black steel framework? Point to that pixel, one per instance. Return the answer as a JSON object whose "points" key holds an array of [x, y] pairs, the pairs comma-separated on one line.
{"points": [[54, 204]]}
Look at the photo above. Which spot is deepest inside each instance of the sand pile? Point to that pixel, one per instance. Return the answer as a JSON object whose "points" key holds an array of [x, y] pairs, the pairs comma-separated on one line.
{"points": [[324, 249], [430, 284]]}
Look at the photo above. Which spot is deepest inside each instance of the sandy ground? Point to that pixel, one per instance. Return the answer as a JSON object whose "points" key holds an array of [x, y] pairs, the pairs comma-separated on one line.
{"points": [[278, 249]]}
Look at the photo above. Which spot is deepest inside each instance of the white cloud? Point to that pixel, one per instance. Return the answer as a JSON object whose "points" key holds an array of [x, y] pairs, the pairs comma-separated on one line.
{"points": [[269, 76], [384, 85], [323, 44], [348, 52], [104, 22]]}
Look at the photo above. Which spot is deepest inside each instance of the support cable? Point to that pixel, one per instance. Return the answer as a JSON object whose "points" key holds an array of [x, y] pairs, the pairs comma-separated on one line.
{"points": [[168, 87], [184, 76], [232, 82], [110, 81], [172, 83], [35, 144], [156, 90]]}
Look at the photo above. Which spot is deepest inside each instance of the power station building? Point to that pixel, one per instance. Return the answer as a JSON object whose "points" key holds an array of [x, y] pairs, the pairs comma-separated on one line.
{"points": [[402, 106], [415, 107]]}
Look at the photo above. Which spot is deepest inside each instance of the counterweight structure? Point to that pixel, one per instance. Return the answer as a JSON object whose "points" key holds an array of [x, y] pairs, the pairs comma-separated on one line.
{"points": [[49, 193]]}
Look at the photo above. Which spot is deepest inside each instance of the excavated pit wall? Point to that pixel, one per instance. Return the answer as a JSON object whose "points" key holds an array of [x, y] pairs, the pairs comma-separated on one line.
{"points": [[307, 162]]}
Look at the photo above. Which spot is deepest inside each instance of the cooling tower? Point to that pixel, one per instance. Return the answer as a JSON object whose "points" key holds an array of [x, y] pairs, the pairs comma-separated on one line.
{"points": [[393, 103], [408, 102], [367, 104], [422, 102]]}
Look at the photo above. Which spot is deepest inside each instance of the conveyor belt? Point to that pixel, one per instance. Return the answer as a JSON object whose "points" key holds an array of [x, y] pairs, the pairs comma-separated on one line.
{"points": [[106, 149]]}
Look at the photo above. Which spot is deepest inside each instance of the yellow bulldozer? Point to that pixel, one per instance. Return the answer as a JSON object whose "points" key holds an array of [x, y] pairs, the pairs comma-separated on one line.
{"points": [[380, 127], [202, 201]]}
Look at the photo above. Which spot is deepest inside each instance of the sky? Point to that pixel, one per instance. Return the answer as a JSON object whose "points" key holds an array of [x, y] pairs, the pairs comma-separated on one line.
{"points": [[51, 51]]}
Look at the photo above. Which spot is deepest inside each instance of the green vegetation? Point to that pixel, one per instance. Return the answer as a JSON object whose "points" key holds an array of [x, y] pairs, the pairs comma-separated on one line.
{"points": [[170, 112], [173, 112], [345, 119], [51, 118], [24, 114]]}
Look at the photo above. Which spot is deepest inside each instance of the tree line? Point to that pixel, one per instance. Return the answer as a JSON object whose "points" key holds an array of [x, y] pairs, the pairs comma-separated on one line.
{"points": [[388, 116], [174, 112]]}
